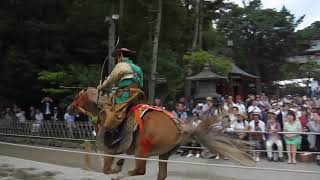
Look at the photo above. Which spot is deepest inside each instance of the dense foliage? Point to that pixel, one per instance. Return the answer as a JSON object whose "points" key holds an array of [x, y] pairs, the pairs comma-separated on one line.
{"points": [[48, 44]]}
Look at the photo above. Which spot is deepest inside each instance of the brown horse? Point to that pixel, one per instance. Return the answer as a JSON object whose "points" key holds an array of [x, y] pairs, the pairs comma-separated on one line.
{"points": [[165, 135]]}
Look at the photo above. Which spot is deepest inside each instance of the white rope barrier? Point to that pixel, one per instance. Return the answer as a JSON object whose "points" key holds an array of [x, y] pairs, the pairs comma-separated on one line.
{"points": [[298, 152], [47, 137], [282, 132], [185, 147], [158, 160]]}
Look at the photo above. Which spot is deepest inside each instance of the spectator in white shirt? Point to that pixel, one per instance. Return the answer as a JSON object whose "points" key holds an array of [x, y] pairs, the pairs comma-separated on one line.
{"points": [[265, 102], [241, 124], [254, 107], [20, 115], [180, 112], [273, 138], [197, 111], [208, 109], [39, 118], [233, 115], [70, 121], [228, 103], [239, 104]]}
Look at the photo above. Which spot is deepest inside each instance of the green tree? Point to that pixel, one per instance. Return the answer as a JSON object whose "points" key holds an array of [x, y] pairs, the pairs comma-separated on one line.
{"points": [[62, 84], [262, 37], [221, 65], [311, 69], [310, 33]]}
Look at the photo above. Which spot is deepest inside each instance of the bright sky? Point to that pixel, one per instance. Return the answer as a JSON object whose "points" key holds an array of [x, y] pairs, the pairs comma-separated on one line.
{"points": [[310, 8]]}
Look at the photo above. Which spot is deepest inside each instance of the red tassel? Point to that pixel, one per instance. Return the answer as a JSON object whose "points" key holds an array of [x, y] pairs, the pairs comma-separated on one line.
{"points": [[146, 145]]}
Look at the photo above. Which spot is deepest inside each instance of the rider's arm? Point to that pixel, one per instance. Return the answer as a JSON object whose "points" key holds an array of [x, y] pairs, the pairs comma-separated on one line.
{"points": [[120, 70]]}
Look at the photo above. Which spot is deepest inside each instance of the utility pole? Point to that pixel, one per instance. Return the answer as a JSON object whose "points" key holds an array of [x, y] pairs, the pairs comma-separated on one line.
{"points": [[111, 20], [155, 47], [196, 26], [111, 37]]}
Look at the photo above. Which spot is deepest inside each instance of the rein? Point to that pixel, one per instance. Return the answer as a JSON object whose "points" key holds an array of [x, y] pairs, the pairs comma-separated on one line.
{"points": [[76, 103]]}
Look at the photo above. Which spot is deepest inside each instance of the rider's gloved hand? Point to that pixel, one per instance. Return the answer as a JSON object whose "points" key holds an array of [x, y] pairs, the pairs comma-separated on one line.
{"points": [[100, 87]]}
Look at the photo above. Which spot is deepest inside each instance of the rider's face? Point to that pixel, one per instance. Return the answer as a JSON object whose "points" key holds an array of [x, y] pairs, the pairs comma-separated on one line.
{"points": [[119, 57]]}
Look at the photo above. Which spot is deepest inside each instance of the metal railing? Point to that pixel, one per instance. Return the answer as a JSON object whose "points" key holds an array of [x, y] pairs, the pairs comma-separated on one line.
{"points": [[60, 129]]}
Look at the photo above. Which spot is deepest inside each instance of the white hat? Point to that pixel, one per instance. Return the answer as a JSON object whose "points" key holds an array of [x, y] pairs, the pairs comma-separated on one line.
{"points": [[272, 111], [200, 104], [293, 110], [209, 99]]}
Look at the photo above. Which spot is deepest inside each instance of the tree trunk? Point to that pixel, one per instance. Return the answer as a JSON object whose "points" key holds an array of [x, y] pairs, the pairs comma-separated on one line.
{"points": [[200, 25], [195, 44], [155, 44], [196, 26]]}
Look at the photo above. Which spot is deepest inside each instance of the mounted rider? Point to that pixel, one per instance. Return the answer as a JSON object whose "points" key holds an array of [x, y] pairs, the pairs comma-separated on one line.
{"points": [[128, 77]]}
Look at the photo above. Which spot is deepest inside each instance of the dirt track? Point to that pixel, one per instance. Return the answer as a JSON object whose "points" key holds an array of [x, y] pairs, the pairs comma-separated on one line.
{"points": [[175, 171]]}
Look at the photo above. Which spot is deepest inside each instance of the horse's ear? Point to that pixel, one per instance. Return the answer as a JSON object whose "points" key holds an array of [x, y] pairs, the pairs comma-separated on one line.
{"points": [[85, 89]]}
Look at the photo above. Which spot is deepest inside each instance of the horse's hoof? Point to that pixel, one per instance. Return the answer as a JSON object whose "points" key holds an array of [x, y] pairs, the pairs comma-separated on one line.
{"points": [[162, 178], [136, 172], [110, 171]]}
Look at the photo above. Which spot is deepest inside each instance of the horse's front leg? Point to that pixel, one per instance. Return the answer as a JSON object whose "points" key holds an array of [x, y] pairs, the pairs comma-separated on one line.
{"points": [[140, 168], [119, 166], [107, 166]]}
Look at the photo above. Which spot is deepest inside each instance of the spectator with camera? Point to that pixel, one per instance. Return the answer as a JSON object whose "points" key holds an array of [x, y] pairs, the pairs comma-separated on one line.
{"points": [[256, 125]]}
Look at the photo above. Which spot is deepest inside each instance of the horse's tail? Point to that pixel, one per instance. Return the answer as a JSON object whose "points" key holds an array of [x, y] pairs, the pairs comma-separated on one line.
{"points": [[211, 136]]}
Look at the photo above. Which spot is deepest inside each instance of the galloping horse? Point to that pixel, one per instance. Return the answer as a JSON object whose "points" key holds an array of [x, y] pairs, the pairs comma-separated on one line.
{"points": [[165, 135]]}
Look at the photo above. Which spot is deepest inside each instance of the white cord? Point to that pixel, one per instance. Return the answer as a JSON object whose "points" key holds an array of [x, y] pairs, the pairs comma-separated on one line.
{"points": [[158, 160]]}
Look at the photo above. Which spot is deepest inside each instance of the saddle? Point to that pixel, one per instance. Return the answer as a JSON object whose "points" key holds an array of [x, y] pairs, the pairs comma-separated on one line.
{"points": [[132, 125]]}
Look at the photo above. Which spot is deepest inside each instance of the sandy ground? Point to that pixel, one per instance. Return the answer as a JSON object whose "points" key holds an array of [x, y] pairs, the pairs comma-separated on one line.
{"points": [[54, 165], [14, 169]]}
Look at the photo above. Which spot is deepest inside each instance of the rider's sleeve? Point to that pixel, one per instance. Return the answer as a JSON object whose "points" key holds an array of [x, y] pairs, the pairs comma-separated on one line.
{"points": [[120, 70]]}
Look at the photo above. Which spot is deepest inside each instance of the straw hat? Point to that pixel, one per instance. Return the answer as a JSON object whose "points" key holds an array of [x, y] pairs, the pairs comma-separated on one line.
{"points": [[272, 112], [243, 115]]}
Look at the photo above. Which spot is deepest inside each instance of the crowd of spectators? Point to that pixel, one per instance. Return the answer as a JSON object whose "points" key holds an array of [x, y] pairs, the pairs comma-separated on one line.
{"points": [[268, 114], [247, 116], [46, 111]]}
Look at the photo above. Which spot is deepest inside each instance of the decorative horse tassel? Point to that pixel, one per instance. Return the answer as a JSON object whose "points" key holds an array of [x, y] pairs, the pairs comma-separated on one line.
{"points": [[146, 145], [145, 142]]}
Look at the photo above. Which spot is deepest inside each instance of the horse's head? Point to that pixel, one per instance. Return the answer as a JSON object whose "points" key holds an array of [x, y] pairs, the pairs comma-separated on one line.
{"points": [[84, 101]]}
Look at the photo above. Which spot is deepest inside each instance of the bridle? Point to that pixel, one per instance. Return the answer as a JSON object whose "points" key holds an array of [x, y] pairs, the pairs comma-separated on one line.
{"points": [[82, 96], [77, 105]]}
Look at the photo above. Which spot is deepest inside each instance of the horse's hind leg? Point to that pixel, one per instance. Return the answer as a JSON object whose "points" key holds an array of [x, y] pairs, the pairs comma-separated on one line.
{"points": [[140, 168], [163, 170]]}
